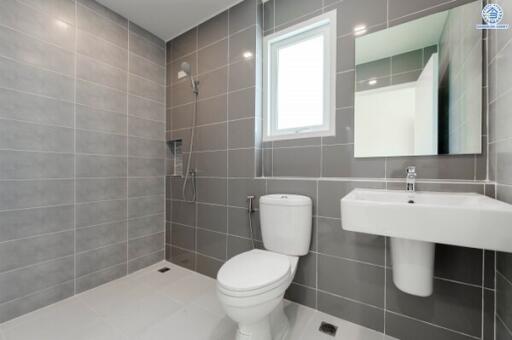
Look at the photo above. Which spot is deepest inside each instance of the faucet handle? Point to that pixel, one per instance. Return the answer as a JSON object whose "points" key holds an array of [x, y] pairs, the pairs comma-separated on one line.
{"points": [[411, 170]]}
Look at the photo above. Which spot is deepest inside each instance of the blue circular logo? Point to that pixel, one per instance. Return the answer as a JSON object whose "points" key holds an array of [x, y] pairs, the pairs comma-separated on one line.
{"points": [[492, 14]]}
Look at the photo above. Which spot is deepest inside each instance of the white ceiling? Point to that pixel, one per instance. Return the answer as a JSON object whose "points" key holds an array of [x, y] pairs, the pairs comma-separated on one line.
{"points": [[168, 18]]}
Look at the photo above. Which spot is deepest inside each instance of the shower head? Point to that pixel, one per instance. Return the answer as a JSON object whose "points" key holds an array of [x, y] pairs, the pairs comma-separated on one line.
{"points": [[186, 68], [186, 71]]}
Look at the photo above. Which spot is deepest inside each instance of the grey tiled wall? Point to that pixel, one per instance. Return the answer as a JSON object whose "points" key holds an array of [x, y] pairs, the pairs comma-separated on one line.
{"points": [[345, 274], [82, 128], [500, 156]]}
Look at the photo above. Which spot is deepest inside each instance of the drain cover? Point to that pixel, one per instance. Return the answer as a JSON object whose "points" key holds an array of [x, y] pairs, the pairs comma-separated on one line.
{"points": [[164, 269], [328, 328]]}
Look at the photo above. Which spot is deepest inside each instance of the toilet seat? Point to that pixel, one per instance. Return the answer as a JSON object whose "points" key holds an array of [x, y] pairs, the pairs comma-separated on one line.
{"points": [[254, 272]]}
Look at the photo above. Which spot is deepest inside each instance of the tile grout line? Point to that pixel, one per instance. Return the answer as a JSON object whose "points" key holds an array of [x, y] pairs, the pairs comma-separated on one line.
{"points": [[128, 147], [75, 154]]}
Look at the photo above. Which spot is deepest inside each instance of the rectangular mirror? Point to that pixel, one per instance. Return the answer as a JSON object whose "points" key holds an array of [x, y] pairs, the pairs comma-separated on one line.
{"points": [[418, 87]]}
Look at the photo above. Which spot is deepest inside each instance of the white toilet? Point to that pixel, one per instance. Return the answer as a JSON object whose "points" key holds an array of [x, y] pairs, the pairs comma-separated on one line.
{"points": [[251, 285]]}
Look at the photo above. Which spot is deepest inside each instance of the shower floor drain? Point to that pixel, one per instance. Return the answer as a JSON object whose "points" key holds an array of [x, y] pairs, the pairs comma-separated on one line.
{"points": [[164, 269], [328, 328]]}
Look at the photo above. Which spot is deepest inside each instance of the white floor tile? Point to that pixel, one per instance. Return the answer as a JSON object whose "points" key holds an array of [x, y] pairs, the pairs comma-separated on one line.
{"points": [[69, 319], [148, 305], [191, 323], [189, 288], [209, 302]]}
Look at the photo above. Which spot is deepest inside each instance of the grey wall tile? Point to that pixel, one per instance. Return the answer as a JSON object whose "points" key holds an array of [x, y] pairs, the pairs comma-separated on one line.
{"points": [[339, 161], [98, 189], [102, 50], [242, 104], [211, 244], [213, 56], [301, 294], [31, 108], [34, 137], [239, 189], [16, 224], [184, 44], [360, 282], [88, 214], [459, 264], [242, 15], [100, 277], [287, 10], [102, 27], [184, 213], [297, 162], [145, 108], [100, 143], [146, 128], [26, 165], [213, 30], [149, 49], [22, 282], [452, 305], [181, 257], [15, 45], [100, 97], [101, 258], [149, 148], [147, 225], [27, 78], [406, 328], [434, 167], [212, 190], [239, 224], [146, 88], [242, 42], [352, 311], [241, 163], [99, 120], [105, 12], [147, 205], [208, 266], [98, 72], [100, 236], [100, 166], [238, 245], [212, 217], [35, 301], [242, 74], [145, 261], [333, 240], [145, 245], [307, 270], [146, 69], [20, 253], [145, 186], [183, 236], [23, 18], [146, 167], [35, 193], [241, 133]]}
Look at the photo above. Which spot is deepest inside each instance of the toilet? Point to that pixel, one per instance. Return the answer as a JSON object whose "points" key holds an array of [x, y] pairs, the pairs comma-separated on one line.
{"points": [[251, 285]]}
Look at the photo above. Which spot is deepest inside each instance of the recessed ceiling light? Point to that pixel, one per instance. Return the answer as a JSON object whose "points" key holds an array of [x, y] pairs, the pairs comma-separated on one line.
{"points": [[372, 82], [360, 30], [247, 54]]}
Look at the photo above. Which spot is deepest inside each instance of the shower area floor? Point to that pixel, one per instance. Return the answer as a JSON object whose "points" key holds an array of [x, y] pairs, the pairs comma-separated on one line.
{"points": [[176, 305]]}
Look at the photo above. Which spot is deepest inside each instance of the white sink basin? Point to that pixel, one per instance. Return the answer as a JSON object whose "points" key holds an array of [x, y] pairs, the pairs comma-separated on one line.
{"points": [[462, 219]]}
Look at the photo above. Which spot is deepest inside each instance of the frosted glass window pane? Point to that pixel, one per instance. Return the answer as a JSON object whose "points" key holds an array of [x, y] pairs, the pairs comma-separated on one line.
{"points": [[300, 84]]}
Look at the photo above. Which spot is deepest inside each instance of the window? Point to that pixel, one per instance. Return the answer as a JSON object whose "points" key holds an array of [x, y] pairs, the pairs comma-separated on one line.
{"points": [[300, 80]]}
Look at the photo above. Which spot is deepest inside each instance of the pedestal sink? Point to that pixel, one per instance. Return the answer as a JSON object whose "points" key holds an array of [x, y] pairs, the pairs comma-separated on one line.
{"points": [[416, 221]]}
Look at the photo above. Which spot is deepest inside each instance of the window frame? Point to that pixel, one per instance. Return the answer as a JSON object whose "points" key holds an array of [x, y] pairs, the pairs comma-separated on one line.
{"points": [[325, 25]]}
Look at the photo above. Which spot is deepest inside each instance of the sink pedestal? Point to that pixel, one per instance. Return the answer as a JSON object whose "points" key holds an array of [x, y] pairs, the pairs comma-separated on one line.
{"points": [[413, 266]]}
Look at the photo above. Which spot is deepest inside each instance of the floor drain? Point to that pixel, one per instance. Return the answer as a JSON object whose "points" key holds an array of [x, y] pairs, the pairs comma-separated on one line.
{"points": [[328, 328], [164, 269]]}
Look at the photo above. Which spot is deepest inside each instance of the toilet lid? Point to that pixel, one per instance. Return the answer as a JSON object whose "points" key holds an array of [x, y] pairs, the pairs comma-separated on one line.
{"points": [[253, 270]]}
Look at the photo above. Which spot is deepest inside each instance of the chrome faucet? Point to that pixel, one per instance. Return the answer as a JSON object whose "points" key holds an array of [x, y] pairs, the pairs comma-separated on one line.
{"points": [[410, 180]]}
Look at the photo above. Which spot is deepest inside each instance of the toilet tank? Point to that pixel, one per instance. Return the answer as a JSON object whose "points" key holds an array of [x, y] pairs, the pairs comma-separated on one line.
{"points": [[286, 223]]}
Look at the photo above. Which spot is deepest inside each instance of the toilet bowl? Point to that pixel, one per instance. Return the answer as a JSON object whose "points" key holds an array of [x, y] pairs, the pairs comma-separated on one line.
{"points": [[251, 285], [251, 288]]}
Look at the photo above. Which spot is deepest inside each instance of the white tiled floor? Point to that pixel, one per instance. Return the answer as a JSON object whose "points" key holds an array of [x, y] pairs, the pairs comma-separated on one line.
{"points": [[148, 305]]}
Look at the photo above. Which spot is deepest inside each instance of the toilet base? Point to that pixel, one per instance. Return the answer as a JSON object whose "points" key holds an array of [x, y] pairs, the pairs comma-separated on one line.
{"points": [[272, 327]]}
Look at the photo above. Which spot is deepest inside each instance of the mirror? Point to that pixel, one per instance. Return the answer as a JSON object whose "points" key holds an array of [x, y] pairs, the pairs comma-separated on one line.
{"points": [[418, 87]]}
